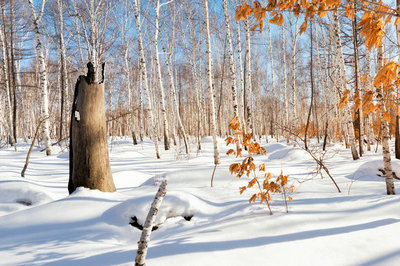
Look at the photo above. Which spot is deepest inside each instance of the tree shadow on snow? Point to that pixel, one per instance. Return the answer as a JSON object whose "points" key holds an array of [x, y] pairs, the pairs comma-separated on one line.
{"points": [[179, 247]]}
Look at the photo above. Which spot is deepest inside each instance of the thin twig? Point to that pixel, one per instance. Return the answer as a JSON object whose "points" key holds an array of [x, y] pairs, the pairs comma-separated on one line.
{"points": [[31, 147]]}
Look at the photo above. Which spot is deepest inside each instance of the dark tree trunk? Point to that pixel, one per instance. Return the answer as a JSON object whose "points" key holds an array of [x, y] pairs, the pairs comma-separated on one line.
{"points": [[134, 139], [89, 161], [326, 135], [312, 88], [397, 138]]}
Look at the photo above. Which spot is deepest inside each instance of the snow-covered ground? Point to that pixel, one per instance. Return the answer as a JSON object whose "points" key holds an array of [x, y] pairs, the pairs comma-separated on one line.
{"points": [[360, 226]]}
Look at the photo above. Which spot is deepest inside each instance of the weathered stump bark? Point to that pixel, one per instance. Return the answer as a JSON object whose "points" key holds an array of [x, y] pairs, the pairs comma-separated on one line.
{"points": [[89, 160]]}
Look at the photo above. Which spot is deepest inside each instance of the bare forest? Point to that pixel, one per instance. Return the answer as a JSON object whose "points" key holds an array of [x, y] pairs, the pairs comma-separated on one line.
{"points": [[292, 103]]}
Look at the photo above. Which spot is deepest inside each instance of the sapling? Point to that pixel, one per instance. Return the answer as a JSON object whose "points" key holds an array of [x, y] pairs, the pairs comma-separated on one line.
{"points": [[248, 168]]}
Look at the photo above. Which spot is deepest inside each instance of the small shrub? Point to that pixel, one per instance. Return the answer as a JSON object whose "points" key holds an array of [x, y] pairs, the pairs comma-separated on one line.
{"points": [[260, 179]]}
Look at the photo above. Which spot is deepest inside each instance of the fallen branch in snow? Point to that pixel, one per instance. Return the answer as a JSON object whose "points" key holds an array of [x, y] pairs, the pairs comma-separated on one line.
{"points": [[148, 225], [384, 173], [56, 143], [31, 147]]}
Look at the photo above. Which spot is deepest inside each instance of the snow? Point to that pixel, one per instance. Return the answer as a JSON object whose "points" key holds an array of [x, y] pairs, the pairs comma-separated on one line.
{"points": [[40, 224]]}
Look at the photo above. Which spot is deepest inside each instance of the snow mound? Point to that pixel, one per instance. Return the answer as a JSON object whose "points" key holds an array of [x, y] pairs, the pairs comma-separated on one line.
{"points": [[175, 204], [131, 178], [289, 154], [369, 171], [17, 195], [274, 147]]}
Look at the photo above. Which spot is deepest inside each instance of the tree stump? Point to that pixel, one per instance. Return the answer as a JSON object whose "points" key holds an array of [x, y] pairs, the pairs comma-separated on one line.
{"points": [[89, 160]]}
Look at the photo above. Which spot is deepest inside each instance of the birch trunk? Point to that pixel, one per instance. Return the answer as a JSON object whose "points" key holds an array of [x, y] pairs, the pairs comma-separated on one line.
{"points": [[64, 74], [94, 58], [12, 80], [271, 58], [195, 76], [143, 69], [247, 84], [11, 140], [43, 75], [176, 104], [285, 88], [141, 108], [210, 81], [322, 77], [358, 114], [369, 123], [159, 75], [232, 62], [294, 89], [241, 76], [387, 164], [22, 102], [148, 225], [342, 86]]}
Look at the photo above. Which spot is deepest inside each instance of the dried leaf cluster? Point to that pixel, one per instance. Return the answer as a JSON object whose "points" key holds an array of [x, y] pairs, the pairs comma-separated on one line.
{"points": [[259, 177], [389, 83], [375, 16]]}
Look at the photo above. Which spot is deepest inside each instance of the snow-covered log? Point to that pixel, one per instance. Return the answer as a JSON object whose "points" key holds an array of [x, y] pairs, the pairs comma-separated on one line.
{"points": [[148, 225]]}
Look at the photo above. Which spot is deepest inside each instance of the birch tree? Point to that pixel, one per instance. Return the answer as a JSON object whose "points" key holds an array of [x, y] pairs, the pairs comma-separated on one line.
{"points": [[64, 73], [159, 74], [143, 69], [168, 47], [210, 81], [6, 87], [285, 87], [247, 81], [387, 164], [342, 85], [175, 103], [36, 18], [232, 62]]}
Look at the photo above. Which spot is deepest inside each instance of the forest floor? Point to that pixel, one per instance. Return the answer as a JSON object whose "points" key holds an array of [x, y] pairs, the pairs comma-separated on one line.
{"points": [[41, 224]]}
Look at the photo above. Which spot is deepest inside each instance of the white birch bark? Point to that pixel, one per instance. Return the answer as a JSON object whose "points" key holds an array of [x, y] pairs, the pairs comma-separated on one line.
{"points": [[285, 87], [248, 83], [369, 127], [159, 74], [323, 80], [387, 164], [196, 82], [174, 98], [232, 62], [64, 74], [342, 85], [148, 225], [36, 17], [241, 76], [294, 89], [333, 73], [141, 109], [143, 69], [357, 85], [11, 140], [210, 81], [93, 40], [19, 93], [271, 57]]}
